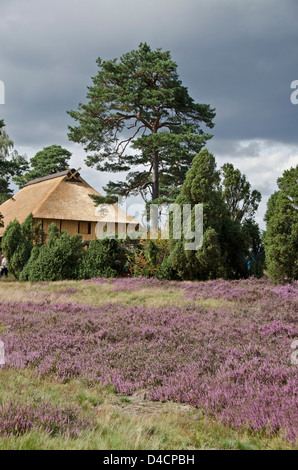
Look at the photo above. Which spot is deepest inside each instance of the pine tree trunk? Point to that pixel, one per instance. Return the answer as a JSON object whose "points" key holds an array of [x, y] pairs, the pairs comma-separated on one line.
{"points": [[155, 179], [155, 191]]}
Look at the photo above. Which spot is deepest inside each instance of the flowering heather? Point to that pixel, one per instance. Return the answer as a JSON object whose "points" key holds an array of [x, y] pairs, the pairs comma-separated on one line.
{"points": [[249, 289], [235, 362], [18, 419]]}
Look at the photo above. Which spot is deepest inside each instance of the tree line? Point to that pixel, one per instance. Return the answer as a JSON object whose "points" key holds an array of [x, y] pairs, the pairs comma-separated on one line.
{"points": [[139, 118]]}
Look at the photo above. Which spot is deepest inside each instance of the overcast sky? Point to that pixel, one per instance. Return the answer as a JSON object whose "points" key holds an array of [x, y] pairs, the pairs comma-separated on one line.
{"points": [[240, 57]]}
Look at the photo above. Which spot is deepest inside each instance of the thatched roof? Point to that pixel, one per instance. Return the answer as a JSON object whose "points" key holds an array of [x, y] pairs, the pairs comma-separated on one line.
{"points": [[59, 197]]}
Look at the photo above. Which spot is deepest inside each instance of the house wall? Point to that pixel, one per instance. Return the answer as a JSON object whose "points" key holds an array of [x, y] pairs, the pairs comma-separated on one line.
{"points": [[73, 227]]}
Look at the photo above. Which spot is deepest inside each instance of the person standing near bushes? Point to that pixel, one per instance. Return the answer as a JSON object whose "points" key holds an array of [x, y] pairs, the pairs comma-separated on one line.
{"points": [[4, 271]]}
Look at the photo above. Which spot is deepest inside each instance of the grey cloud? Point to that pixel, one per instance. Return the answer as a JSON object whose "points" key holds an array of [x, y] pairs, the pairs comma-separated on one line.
{"points": [[227, 148], [240, 57]]}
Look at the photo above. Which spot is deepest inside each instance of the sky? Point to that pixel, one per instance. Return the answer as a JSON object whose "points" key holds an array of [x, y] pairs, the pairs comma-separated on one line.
{"points": [[240, 57]]}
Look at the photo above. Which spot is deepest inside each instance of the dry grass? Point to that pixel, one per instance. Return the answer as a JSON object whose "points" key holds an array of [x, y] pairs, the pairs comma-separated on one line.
{"points": [[98, 295]]}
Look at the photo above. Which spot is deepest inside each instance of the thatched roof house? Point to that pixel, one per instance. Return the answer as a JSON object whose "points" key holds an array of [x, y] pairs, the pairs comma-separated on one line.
{"points": [[63, 198]]}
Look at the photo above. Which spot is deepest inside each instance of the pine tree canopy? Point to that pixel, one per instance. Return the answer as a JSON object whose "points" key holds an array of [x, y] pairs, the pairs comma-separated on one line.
{"points": [[140, 119], [49, 160]]}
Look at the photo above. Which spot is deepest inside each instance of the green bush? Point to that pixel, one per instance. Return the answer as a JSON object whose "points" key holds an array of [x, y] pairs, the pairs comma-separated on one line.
{"points": [[57, 260], [165, 271], [147, 257], [104, 258], [16, 248], [17, 243], [29, 267], [33, 233]]}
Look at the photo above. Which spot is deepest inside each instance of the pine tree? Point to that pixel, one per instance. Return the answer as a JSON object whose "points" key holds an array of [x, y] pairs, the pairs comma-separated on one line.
{"points": [[140, 119], [48, 161]]}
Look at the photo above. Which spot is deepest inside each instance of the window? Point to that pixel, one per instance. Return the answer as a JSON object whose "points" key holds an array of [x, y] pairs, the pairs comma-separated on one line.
{"points": [[84, 228]]}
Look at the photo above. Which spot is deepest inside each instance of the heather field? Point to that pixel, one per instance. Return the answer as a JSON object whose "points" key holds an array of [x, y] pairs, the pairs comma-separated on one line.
{"points": [[147, 364]]}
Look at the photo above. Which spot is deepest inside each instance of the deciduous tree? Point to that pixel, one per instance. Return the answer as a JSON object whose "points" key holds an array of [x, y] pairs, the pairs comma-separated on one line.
{"points": [[11, 164]]}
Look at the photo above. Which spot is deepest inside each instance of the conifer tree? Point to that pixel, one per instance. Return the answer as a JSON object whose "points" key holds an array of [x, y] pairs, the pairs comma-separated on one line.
{"points": [[140, 119], [48, 161], [281, 236]]}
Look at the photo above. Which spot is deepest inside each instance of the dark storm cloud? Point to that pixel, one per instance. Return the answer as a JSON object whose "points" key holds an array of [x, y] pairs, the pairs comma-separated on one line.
{"points": [[247, 78], [240, 57]]}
